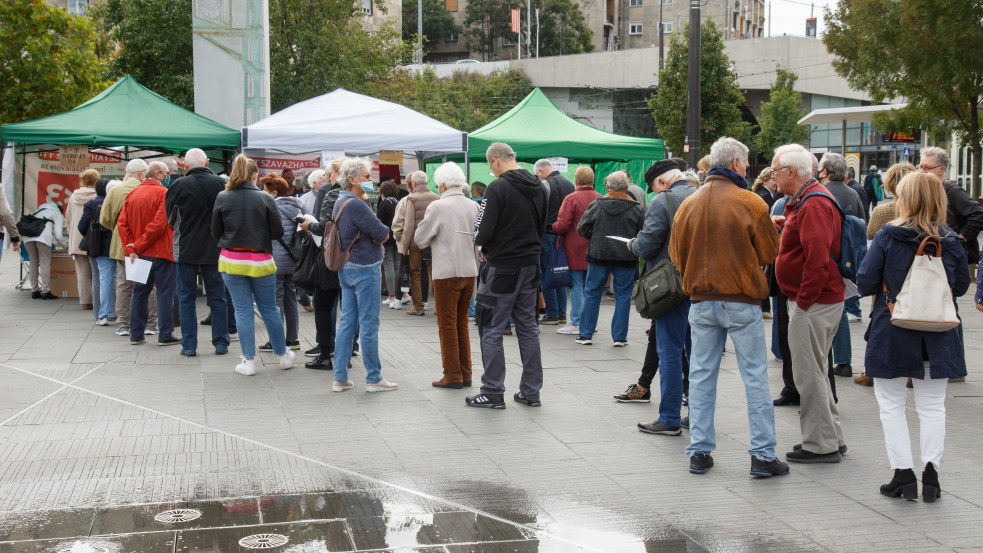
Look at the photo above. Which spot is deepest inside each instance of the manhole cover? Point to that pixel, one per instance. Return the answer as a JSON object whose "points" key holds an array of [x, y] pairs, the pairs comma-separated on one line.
{"points": [[263, 541], [87, 547], [175, 516]]}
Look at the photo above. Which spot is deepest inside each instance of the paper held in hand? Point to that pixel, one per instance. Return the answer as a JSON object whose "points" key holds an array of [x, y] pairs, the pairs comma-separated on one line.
{"points": [[620, 239], [138, 270]]}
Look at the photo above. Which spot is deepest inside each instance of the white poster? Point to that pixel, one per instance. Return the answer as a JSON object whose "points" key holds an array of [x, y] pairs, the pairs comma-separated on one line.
{"points": [[559, 163]]}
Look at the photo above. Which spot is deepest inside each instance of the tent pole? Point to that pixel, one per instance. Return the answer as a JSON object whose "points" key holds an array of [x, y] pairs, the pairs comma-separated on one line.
{"points": [[467, 167]]}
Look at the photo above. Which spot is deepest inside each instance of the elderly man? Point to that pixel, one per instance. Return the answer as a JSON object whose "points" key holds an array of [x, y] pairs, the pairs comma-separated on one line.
{"points": [[455, 267], [808, 275], [721, 238], [667, 335], [616, 214], [136, 172], [145, 234], [174, 173], [404, 227], [316, 180], [965, 215], [189, 202], [511, 220], [560, 187]]}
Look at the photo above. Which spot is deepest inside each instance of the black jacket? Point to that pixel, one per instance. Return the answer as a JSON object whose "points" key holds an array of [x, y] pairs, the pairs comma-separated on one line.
{"points": [[560, 188], [856, 186], [512, 219], [90, 213], [189, 203], [246, 218], [869, 187], [610, 216], [965, 216], [324, 207]]}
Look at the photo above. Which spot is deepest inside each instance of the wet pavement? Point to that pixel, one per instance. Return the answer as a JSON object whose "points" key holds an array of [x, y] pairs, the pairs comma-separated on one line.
{"points": [[98, 438]]}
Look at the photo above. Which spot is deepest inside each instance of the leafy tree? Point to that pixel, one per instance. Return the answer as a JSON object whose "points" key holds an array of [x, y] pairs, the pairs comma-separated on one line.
{"points": [[310, 56], [563, 29], [154, 44], [437, 21], [932, 65], [720, 95], [780, 115], [48, 59]]}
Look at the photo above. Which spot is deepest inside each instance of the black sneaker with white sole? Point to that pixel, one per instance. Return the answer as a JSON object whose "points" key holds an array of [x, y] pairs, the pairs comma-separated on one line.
{"points": [[487, 401], [523, 399], [700, 463], [313, 352], [767, 469], [656, 427], [584, 341], [266, 347]]}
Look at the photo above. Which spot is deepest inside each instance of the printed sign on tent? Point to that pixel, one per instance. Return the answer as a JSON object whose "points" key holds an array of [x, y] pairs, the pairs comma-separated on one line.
{"points": [[74, 157], [47, 181], [560, 164], [301, 165]]}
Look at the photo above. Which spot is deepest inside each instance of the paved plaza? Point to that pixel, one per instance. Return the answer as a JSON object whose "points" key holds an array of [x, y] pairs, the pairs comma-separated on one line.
{"points": [[98, 437]]}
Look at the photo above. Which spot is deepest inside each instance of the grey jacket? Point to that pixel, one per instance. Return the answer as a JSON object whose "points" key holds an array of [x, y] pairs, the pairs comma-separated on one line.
{"points": [[652, 244], [847, 197], [610, 216], [290, 207]]}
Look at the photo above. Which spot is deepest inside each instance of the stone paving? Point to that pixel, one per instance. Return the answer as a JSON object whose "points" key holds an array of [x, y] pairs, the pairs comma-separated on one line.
{"points": [[97, 436]]}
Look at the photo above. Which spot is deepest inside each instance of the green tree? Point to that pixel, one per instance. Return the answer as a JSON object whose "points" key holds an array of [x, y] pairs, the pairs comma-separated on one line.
{"points": [[437, 21], [154, 44], [563, 29], [720, 95], [780, 115], [48, 59], [919, 50], [310, 56]]}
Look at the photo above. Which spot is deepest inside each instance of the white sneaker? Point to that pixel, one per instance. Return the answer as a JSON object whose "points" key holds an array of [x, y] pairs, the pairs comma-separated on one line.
{"points": [[851, 318], [102, 322], [120, 331], [406, 300], [337, 386], [149, 332], [286, 360], [396, 305], [247, 367], [381, 386], [569, 329], [620, 343]]}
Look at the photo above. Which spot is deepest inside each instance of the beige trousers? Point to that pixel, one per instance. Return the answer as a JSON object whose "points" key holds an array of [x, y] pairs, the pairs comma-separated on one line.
{"points": [[810, 337], [83, 274], [124, 291], [40, 266]]}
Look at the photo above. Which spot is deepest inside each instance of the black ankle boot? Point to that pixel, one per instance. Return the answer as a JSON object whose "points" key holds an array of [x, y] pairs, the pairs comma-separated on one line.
{"points": [[903, 484], [930, 484]]}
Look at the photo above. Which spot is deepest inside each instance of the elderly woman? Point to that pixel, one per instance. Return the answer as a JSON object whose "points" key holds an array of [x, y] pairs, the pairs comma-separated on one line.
{"points": [[73, 214], [246, 221], [571, 211], [360, 278], [104, 267], [616, 214], [766, 187], [286, 290], [454, 269], [896, 354]]}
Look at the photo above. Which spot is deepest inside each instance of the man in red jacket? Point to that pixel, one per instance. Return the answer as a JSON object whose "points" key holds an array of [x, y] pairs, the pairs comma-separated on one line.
{"points": [[145, 234], [807, 273]]}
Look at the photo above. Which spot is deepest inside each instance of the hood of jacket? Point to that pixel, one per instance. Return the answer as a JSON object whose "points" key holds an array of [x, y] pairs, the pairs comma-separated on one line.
{"points": [[288, 200], [82, 195], [915, 236], [523, 181]]}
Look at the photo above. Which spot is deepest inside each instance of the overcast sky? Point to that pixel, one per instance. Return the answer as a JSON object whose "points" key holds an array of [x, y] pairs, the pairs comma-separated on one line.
{"points": [[789, 16]]}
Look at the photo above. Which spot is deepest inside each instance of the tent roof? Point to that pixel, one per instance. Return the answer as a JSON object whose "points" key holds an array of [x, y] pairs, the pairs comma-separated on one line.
{"points": [[535, 128], [350, 122], [125, 114], [836, 116]]}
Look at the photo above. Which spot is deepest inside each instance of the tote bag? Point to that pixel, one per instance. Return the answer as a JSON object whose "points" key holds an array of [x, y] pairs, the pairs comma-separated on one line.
{"points": [[557, 274], [925, 300]]}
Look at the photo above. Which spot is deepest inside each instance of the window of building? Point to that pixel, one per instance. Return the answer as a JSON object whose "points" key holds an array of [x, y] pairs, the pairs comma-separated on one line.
{"points": [[635, 28], [666, 2], [77, 7], [367, 7], [506, 41], [636, 3], [450, 37], [450, 5], [667, 27]]}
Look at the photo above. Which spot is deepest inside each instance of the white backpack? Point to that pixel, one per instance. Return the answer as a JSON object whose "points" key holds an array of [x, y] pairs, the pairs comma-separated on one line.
{"points": [[925, 301]]}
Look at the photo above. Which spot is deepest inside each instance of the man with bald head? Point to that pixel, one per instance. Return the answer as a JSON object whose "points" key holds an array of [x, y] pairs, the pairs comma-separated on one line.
{"points": [[404, 227]]}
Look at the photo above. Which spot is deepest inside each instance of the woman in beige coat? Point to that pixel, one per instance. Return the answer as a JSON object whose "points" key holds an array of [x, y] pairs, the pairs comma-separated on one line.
{"points": [[73, 213]]}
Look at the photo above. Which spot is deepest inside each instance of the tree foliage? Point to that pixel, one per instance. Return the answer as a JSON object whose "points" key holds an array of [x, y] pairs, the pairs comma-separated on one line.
{"points": [[154, 44], [466, 100], [563, 29], [780, 115], [310, 56], [437, 21], [720, 95], [919, 50], [48, 59]]}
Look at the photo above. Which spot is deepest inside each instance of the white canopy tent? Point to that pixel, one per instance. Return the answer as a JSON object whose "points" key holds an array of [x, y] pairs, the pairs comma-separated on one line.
{"points": [[842, 116], [343, 121]]}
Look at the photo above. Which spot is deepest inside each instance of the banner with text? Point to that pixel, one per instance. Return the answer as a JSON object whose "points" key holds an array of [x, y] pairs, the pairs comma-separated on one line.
{"points": [[46, 179]]}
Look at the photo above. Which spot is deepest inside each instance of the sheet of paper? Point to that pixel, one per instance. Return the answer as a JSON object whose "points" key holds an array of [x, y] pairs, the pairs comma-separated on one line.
{"points": [[138, 270], [851, 289], [309, 217], [620, 239]]}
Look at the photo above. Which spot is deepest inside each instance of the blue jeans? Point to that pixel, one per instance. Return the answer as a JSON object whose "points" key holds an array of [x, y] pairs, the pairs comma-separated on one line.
{"points": [[842, 348], [670, 332], [218, 308], [107, 287], [360, 304], [710, 323], [597, 276], [577, 280], [162, 275], [243, 290], [776, 349], [852, 306], [556, 298]]}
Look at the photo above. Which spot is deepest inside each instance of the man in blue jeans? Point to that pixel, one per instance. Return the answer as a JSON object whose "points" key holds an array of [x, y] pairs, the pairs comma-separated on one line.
{"points": [[721, 237], [189, 204]]}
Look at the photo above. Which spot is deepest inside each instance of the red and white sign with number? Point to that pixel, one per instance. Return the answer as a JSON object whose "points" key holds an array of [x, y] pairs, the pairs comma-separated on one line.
{"points": [[47, 181]]}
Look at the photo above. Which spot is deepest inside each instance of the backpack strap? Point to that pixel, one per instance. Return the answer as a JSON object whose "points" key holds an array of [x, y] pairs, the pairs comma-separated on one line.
{"points": [[671, 208], [832, 199], [337, 215]]}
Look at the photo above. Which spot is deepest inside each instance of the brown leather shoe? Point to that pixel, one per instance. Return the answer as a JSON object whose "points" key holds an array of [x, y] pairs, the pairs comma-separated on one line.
{"points": [[863, 380], [444, 383], [86, 307], [415, 312]]}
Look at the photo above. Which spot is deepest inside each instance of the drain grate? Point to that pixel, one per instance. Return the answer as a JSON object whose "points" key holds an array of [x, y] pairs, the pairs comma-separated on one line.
{"points": [[175, 516], [263, 541], [88, 548]]}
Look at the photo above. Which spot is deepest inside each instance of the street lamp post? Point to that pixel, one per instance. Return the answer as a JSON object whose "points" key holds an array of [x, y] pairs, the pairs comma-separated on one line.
{"points": [[693, 85]]}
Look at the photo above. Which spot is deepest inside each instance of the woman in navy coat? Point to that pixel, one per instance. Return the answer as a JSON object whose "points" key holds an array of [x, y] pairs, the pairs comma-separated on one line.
{"points": [[895, 354]]}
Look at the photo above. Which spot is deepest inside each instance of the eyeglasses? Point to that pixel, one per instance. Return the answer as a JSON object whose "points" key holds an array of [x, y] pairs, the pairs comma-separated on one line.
{"points": [[777, 169], [927, 169]]}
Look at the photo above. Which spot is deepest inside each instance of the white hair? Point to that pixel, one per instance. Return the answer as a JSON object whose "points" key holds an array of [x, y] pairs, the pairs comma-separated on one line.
{"points": [[418, 178], [195, 157], [316, 175], [617, 181], [543, 164], [135, 166], [691, 176], [112, 184], [450, 175], [351, 168], [672, 175], [170, 163], [725, 150], [940, 155], [796, 157]]}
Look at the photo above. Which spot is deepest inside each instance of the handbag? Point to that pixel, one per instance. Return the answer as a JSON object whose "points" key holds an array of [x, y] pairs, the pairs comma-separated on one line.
{"points": [[84, 242], [31, 225], [660, 289], [925, 300], [310, 264], [557, 273]]}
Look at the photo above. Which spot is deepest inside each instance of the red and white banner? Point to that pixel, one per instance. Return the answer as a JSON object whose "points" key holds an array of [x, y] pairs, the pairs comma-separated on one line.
{"points": [[301, 165], [46, 181], [515, 20]]}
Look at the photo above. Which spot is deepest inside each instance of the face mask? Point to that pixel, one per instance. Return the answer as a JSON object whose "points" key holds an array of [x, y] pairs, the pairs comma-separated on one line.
{"points": [[368, 186], [167, 181]]}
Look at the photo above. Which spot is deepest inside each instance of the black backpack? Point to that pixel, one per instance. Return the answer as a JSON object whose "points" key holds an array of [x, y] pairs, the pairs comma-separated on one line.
{"points": [[31, 225]]}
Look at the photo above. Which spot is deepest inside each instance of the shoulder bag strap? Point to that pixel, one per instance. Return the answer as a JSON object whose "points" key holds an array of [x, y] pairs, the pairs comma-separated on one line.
{"points": [[338, 216]]}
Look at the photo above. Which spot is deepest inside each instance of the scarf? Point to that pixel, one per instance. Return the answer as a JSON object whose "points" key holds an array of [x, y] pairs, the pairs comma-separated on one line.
{"points": [[730, 175]]}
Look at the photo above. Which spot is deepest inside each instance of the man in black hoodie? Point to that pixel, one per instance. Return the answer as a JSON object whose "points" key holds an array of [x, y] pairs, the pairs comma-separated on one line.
{"points": [[510, 222]]}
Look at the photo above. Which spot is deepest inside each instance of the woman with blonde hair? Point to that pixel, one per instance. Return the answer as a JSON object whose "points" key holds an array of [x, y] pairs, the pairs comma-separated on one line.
{"points": [[895, 354], [888, 211], [84, 268]]}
